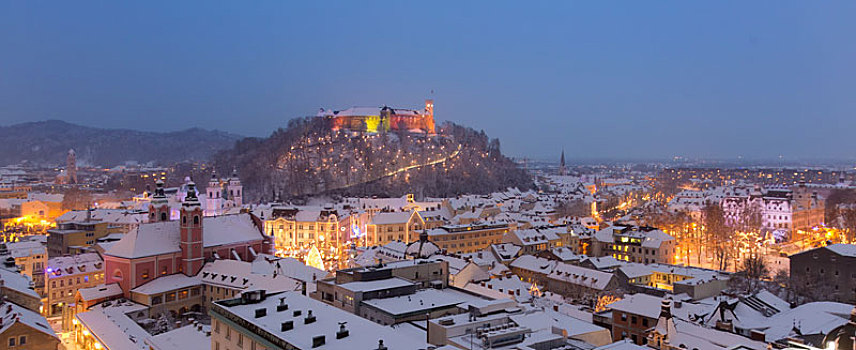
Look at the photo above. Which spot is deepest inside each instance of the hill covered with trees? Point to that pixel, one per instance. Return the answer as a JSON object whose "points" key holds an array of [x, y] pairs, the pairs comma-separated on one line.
{"points": [[309, 158]]}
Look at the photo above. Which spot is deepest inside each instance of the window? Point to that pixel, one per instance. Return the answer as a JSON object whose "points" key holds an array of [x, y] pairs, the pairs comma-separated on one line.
{"points": [[240, 340], [11, 342], [22, 340], [196, 219]]}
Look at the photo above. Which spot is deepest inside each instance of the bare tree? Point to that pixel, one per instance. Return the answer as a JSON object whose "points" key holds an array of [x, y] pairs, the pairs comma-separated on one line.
{"points": [[76, 199], [574, 208], [754, 269], [717, 235]]}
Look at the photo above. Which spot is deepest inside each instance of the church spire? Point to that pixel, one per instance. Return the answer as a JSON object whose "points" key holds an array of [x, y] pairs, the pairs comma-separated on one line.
{"points": [[562, 169]]}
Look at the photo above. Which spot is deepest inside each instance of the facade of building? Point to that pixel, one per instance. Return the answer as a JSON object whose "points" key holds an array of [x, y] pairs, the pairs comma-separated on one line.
{"points": [[639, 244], [534, 240], [30, 257], [167, 247], [24, 329], [18, 289], [223, 194], [350, 287], [42, 209], [830, 269], [471, 238], [293, 321], [386, 227], [73, 236], [298, 228], [782, 209], [64, 275], [381, 119]]}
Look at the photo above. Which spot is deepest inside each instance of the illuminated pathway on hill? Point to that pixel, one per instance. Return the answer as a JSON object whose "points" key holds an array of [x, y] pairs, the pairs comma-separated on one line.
{"points": [[409, 167]]}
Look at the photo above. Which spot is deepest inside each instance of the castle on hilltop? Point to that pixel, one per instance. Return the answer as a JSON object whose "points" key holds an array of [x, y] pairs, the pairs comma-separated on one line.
{"points": [[380, 119]]}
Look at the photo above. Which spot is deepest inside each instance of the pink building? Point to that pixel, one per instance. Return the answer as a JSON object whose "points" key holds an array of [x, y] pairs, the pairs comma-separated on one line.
{"points": [[162, 247]]}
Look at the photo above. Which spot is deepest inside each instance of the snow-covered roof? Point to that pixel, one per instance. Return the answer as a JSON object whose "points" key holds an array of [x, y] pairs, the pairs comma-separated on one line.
{"points": [[581, 276], [649, 238], [18, 282], [505, 251], [566, 254], [533, 263], [167, 283], [158, 238], [44, 197], [74, 264], [387, 218], [843, 249], [291, 267], [113, 216], [189, 337], [11, 314], [110, 324], [419, 302], [26, 248], [421, 249], [100, 292], [603, 262], [811, 318], [369, 286], [238, 274], [363, 334]]}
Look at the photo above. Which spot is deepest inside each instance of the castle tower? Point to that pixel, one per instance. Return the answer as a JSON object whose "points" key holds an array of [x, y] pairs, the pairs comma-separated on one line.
{"points": [[214, 191], [235, 189], [71, 166], [159, 206], [429, 115], [191, 233]]}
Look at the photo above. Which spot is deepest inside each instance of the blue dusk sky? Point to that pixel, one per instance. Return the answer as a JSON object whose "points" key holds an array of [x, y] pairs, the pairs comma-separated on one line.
{"points": [[601, 79]]}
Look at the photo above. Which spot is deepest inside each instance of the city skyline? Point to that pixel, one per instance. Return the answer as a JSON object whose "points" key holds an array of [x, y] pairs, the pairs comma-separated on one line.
{"points": [[639, 81]]}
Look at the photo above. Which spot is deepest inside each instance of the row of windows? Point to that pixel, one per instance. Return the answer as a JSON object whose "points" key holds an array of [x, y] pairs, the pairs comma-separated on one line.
{"points": [[78, 280], [145, 274], [466, 236], [620, 248], [173, 296], [239, 341], [469, 244], [822, 271], [19, 341]]}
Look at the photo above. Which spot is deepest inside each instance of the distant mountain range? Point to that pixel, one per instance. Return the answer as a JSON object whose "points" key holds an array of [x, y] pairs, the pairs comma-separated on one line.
{"points": [[47, 143]]}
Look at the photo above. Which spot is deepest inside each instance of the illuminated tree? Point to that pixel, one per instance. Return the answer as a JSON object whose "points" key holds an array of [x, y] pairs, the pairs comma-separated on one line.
{"points": [[313, 258]]}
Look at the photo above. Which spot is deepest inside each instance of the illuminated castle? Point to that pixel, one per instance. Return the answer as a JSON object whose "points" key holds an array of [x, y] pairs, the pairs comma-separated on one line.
{"points": [[377, 119]]}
